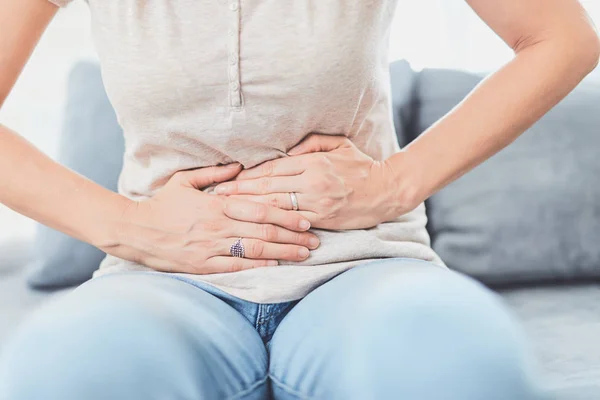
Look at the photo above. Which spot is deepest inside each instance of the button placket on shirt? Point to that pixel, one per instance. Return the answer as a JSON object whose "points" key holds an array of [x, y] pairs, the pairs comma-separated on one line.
{"points": [[235, 94]]}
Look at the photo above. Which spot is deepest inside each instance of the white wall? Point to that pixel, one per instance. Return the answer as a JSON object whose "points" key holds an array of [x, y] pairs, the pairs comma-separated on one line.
{"points": [[448, 34], [429, 33], [34, 107]]}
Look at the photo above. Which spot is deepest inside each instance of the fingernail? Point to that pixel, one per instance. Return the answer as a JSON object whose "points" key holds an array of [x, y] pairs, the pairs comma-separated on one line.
{"points": [[313, 242], [303, 252], [221, 189], [234, 165], [304, 224], [272, 263]]}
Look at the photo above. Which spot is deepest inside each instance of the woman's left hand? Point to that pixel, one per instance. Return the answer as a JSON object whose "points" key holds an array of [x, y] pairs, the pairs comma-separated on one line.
{"points": [[336, 185]]}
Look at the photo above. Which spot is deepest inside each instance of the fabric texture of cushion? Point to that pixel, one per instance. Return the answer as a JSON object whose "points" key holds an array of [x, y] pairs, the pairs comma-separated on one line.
{"points": [[532, 212], [92, 145], [403, 86], [17, 300], [563, 324]]}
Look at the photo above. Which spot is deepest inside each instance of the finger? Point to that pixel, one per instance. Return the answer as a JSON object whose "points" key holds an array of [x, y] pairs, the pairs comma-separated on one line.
{"points": [[276, 234], [279, 200], [202, 177], [280, 167], [318, 142], [275, 184], [282, 201], [259, 249], [222, 264], [250, 211]]}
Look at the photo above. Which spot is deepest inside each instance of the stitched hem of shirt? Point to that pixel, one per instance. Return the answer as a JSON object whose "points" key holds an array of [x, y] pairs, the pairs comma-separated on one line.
{"points": [[249, 390], [197, 284], [289, 390]]}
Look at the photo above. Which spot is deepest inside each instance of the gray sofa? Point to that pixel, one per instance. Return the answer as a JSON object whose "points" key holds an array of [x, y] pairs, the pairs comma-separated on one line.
{"points": [[541, 255]]}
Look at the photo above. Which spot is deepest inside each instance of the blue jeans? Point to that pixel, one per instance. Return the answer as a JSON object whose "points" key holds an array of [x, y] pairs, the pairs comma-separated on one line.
{"points": [[391, 329]]}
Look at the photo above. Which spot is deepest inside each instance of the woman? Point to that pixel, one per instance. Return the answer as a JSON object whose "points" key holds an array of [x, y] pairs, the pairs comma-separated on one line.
{"points": [[261, 166]]}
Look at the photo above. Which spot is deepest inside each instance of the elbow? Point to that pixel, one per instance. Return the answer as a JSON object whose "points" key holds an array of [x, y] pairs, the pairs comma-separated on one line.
{"points": [[595, 52], [586, 50], [577, 49]]}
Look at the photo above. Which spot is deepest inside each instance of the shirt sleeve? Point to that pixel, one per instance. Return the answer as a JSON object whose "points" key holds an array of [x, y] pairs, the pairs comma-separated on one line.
{"points": [[60, 3]]}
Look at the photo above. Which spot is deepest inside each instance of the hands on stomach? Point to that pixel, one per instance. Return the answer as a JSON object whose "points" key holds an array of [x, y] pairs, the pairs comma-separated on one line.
{"points": [[336, 185], [182, 229]]}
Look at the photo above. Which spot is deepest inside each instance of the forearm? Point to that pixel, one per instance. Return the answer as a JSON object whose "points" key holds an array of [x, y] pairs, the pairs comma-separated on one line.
{"points": [[36, 186], [501, 108]]}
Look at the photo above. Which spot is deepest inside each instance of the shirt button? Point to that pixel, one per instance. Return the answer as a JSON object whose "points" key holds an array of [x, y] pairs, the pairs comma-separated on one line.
{"points": [[233, 6], [230, 32], [235, 87]]}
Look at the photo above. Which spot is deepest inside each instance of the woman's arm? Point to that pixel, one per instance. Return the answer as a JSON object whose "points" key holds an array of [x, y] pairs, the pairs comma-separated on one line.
{"points": [[30, 182], [555, 46]]}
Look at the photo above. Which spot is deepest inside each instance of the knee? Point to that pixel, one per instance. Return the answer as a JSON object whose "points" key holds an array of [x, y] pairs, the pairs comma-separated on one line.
{"points": [[65, 353], [430, 333], [432, 302], [416, 331], [99, 348]]}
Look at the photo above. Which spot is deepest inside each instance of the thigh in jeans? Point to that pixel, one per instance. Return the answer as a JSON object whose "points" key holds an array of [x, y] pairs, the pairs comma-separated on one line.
{"points": [[401, 329], [135, 336]]}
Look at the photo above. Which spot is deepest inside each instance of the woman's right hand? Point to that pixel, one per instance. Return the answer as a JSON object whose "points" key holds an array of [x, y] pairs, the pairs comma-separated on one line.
{"points": [[182, 229]]}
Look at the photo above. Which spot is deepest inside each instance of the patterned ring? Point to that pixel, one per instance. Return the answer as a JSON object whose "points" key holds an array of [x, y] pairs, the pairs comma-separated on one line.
{"points": [[294, 201], [237, 249]]}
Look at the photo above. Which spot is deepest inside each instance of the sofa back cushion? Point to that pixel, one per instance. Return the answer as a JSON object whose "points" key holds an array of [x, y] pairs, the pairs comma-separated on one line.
{"points": [[403, 85], [92, 145], [532, 212]]}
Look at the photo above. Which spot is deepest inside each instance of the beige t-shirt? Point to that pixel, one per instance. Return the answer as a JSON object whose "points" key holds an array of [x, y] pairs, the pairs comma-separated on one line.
{"points": [[197, 83]]}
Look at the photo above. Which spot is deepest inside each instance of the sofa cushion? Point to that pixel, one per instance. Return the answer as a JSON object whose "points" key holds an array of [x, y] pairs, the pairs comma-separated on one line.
{"points": [[563, 324], [532, 212], [92, 145], [403, 85], [17, 300]]}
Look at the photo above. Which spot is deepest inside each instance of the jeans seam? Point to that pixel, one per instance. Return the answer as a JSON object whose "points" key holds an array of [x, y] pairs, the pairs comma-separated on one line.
{"points": [[288, 389], [249, 389], [259, 315]]}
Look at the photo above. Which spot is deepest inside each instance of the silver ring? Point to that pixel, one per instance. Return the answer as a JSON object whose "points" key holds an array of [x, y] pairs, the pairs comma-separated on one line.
{"points": [[294, 201], [237, 249]]}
